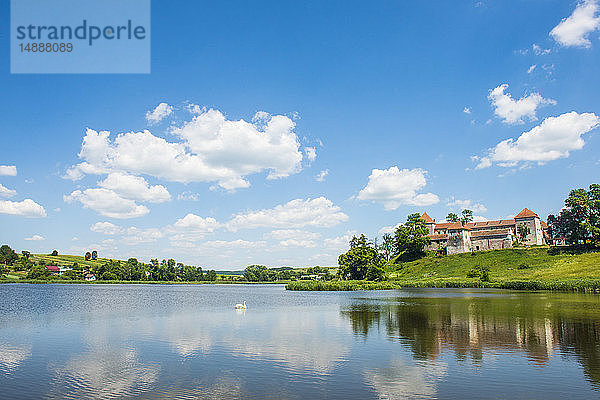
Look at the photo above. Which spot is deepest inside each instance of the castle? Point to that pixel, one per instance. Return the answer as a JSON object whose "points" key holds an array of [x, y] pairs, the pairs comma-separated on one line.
{"points": [[456, 237]]}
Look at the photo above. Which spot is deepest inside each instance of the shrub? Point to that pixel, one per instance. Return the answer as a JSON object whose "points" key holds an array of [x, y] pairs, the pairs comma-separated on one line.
{"points": [[483, 273]]}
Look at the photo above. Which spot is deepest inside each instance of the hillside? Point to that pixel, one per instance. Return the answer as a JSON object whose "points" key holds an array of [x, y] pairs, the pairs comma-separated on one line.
{"points": [[504, 265]]}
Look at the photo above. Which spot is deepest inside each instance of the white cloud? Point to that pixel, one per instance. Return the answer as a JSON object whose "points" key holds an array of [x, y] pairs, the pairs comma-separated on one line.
{"points": [[192, 228], [467, 110], [212, 149], [189, 196], [35, 238], [531, 69], [395, 187], [554, 138], [574, 30], [8, 170], [321, 175], [135, 188], [161, 111], [298, 213], [539, 51], [135, 235], [467, 205], [6, 192], [284, 234], [339, 243], [311, 153], [298, 243], [389, 229], [107, 203], [106, 228], [26, 208], [512, 111]]}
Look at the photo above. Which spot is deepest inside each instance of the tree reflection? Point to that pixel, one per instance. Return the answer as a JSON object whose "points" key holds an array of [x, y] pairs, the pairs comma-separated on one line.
{"points": [[536, 324]]}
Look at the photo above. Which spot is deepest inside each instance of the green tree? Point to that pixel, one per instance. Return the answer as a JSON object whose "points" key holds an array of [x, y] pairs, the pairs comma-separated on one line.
{"points": [[466, 216], [8, 255], [452, 217], [88, 256], [54, 253], [411, 238], [579, 220], [94, 255], [39, 272], [362, 261], [523, 230], [211, 275], [387, 246]]}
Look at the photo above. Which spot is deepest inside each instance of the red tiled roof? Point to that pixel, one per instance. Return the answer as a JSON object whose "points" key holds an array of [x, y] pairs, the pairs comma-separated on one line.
{"points": [[526, 213], [452, 225], [427, 218], [495, 232], [438, 237], [544, 225], [489, 224], [53, 268]]}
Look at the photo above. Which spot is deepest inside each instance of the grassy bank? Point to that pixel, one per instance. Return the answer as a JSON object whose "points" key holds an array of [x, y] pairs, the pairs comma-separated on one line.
{"points": [[520, 269]]}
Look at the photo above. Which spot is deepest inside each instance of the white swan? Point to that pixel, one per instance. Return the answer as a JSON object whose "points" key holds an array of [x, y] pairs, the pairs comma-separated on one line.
{"points": [[241, 306]]}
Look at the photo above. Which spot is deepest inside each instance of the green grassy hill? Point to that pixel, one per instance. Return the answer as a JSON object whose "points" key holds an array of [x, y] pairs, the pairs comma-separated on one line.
{"points": [[504, 265], [67, 261]]}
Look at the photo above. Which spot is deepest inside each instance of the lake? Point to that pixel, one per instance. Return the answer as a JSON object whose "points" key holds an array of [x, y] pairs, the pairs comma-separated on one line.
{"points": [[187, 341]]}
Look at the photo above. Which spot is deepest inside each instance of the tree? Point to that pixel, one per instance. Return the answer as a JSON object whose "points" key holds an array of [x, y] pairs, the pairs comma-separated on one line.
{"points": [[523, 230], [411, 238], [88, 256], [39, 272], [579, 220], [387, 246], [54, 253], [211, 275], [466, 216], [362, 261], [94, 255], [26, 255], [452, 217], [8, 255]]}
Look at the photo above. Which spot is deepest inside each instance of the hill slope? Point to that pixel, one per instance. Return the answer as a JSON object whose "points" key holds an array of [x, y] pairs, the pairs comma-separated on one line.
{"points": [[504, 265]]}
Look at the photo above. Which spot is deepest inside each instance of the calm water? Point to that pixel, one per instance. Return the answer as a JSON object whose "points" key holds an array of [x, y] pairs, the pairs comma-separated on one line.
{"points": [[154, 341]]}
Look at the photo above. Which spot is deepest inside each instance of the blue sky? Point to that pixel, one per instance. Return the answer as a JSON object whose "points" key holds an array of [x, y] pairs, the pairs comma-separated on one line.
{"points": [[408, 107]]}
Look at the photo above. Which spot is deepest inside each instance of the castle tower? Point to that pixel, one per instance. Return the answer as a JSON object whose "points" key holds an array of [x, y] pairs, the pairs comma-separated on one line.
{"points": [[533, 222], [429, 222]]}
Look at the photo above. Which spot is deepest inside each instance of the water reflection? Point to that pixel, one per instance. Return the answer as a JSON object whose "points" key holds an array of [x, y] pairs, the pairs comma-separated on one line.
{"points": [[537, 325]]}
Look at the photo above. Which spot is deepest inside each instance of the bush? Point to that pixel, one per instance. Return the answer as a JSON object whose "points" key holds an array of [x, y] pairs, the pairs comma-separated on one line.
{"points": [[39, 272], [523, 266], [483, 273]]}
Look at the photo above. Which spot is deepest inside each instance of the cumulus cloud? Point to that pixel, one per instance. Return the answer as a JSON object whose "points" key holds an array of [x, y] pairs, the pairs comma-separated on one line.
{"points": [[192, 228], [574, 30], [6, 192], [8, 170], [298, 213], [35, 238], [389, 229], [211, 149], [161, 111], [512, 111], [467, 205], [106, 228], [135, 235], [298, 243], [339, 243], [394, 187], [284, 234], [26, 208], [135, 188], [467, 110], [554, 138], [322, 175], [107, 203]]}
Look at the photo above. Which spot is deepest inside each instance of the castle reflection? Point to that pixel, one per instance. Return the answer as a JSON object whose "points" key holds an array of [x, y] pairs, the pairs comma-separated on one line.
{"points": [[537, 325]]}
